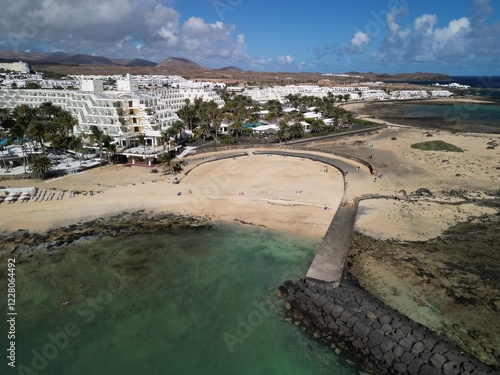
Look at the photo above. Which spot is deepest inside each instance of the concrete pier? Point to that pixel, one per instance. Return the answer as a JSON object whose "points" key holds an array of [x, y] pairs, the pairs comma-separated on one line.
{"points": [[329, 261]]}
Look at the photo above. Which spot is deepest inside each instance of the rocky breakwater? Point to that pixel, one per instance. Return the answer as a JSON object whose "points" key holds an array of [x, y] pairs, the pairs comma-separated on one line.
{"points": [[376, 336]]}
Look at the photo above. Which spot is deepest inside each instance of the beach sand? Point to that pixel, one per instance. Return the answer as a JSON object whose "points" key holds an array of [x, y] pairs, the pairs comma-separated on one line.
{"points": [[290, 194], [280, 193]]}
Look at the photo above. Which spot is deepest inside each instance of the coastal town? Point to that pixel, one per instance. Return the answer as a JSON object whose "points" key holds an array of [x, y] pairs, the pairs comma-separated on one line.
{"points": [[145, 110], [98, 153], [250, 187]]}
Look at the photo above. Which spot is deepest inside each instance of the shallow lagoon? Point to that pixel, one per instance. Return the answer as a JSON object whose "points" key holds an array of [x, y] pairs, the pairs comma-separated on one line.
{"points": [[190, 302]]}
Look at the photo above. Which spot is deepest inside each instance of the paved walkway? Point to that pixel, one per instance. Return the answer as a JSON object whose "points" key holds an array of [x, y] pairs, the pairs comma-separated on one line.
{"points": [[329, 261]]}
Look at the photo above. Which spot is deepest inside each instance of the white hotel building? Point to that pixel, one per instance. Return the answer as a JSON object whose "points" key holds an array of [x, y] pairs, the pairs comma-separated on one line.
{"points": [[121, 113], [356, 93], [280, 92]]}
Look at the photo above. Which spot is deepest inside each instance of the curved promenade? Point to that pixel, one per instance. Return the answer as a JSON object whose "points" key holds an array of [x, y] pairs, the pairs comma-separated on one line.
{"points": [[380, 338]]}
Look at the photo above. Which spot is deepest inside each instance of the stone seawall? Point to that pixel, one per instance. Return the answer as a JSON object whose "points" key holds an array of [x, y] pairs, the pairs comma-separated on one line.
{"points": [[378, 337]]}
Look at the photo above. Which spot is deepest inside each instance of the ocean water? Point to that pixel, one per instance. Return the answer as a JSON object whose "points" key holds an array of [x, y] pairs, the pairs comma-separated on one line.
{"points": [[482, 86], [190, 302], [467, 117]]}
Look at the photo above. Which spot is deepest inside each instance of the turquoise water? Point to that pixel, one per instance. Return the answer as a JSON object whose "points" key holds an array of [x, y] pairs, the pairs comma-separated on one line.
{"points": [[192, 302], [253, 124]]}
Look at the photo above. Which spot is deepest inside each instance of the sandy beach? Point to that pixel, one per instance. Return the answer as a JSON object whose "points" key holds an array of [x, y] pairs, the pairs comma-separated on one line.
{"points": [[285, 193], [276, 192], [301, 196]]}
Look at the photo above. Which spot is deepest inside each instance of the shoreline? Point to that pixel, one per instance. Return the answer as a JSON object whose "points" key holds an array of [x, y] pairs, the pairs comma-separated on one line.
{"points": [[455, 119], [290, 194], [256, 189], [24, 243]]}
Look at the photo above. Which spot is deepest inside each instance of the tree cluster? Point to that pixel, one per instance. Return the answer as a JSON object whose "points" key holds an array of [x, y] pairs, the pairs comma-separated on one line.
{"points": [[35, 129]]}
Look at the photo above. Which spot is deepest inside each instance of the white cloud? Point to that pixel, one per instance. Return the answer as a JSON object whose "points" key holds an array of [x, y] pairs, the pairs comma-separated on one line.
{"points": [[359, 41], [425, 23], [396, 34], [284, 59], [456, 42], [118, 28]]}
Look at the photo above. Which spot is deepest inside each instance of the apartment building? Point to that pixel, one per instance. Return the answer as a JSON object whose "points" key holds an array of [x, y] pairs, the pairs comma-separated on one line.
{"points": [[117, 112], [280, 92]]}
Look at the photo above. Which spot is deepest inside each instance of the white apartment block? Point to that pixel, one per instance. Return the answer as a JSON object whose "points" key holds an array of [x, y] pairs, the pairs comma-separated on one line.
{"points": [[280, 92], [20, 67], [420, 94], [115, 112]]}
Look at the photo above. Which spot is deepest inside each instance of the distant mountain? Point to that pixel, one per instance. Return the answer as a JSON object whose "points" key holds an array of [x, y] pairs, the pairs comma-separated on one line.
{"points": [[66, 63], [140, 62], [405, 77], [56, 57], [22, 56], [80, 59], [70, 59], [178, 63], [132, 62], [229, 69]]}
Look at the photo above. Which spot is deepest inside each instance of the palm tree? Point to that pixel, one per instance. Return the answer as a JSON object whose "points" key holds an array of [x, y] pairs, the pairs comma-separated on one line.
{"points": [[282, 133], [236, 128], [142, 141], [204, 129], [3, 135], [294, 99], [177, 129], [170, 164], [76, 144], [296, 131], [112, 149], [40, 166], [37, 130], [213, 114], [317, 126], [67, 121], [275, 109], [97, 136], [165, 138], [23, 115], [188, 114]]}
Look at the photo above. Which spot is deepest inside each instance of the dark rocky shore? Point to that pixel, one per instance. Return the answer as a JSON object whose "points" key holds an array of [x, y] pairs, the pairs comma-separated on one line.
{"points": [[376, 336], [24, 243]]}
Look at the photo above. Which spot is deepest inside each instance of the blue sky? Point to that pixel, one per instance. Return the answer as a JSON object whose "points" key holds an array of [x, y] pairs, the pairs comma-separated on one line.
{"points": [[457, 37]]}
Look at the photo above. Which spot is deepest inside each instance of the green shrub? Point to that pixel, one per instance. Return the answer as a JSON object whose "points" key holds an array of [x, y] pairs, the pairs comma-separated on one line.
{"points": [[436, 146], [227, 140]]}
